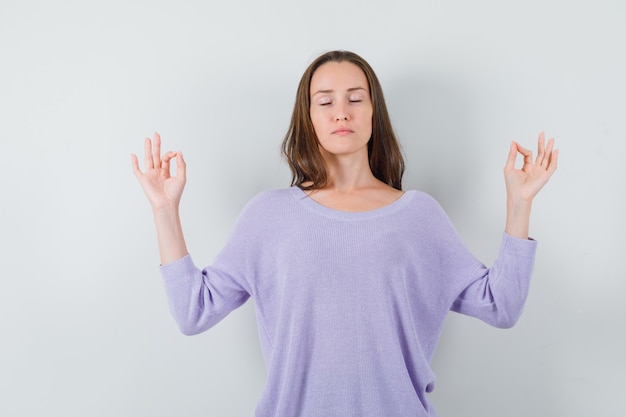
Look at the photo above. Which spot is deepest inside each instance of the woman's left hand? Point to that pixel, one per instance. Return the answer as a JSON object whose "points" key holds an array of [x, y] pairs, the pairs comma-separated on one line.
{"points": [[524, 183]]}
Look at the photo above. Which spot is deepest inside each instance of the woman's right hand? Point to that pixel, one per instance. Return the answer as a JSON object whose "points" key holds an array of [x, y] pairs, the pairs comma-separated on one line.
{"points": [[162, 189]]}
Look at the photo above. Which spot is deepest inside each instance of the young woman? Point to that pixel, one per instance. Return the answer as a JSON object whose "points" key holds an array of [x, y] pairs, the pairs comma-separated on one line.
{"points": [[351, 276]]}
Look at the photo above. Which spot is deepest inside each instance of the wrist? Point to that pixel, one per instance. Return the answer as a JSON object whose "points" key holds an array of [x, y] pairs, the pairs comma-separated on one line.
{"points": [[165, 211], [518, 218], [169, 234], [518, 205]]}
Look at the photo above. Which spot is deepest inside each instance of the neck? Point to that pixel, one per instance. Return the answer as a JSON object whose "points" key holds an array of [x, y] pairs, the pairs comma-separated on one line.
{"points": [[348, 173], [351, 185]]}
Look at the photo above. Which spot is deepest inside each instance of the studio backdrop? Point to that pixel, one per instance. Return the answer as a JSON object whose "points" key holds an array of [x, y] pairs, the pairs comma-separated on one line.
{"points": [[84, 323]]}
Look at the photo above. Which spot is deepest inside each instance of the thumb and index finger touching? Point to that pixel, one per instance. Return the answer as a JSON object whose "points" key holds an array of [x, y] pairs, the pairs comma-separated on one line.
{"points": [[153, 159], [546, 155]]}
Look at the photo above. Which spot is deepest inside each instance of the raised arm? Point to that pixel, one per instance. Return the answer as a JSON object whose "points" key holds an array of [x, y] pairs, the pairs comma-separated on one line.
{"points": [[164, 192], [523, 184]]}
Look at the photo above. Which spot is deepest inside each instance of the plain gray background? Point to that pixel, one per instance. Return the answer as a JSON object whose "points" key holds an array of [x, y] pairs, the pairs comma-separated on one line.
{"points": [[84, 324]]}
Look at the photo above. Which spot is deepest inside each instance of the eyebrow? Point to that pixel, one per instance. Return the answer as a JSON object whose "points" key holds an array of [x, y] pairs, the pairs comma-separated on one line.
{"points": [[332, 91]]}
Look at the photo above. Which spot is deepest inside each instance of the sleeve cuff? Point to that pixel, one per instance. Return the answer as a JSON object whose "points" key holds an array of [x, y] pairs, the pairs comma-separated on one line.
{"points": [[178, 268], [521, 247]]}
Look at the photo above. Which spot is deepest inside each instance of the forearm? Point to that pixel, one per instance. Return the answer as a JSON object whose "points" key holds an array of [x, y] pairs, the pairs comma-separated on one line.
{"points": [[518, 217], [169, 234]]}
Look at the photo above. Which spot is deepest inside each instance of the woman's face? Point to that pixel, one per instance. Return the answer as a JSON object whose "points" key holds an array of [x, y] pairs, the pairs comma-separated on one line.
{"points": [[341, 109]]}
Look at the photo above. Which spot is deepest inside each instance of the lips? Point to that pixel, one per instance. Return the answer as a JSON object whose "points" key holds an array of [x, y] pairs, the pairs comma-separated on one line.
{"points": [[342, 132]]}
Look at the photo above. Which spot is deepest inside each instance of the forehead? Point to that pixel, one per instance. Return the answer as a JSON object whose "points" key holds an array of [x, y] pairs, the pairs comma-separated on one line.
{"points": [[338, 76]]}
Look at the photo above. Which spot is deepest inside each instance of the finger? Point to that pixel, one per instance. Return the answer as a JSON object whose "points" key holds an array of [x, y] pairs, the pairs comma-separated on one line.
{"points": [[547, 160], [541, 149], [165, 163], [554, 158], [510, 161], [181, 166], [147, 149], [167, 156], [156, 151], [135, 164], [527, 153]]}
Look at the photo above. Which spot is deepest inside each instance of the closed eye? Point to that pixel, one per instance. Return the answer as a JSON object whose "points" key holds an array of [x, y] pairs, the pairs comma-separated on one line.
{"points": [[355, 98], [325, 101]]}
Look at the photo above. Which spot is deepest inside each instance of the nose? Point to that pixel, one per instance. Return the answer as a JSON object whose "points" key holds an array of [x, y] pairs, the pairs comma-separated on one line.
{"points": [[342, 115]]}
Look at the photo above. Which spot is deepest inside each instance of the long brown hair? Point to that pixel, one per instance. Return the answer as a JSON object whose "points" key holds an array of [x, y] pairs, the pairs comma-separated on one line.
{"points": [[300, 146]]}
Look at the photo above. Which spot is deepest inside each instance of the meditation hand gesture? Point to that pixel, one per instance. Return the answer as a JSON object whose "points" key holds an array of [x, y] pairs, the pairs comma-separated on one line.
{"points": [[524, 183], [162, 189]]}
